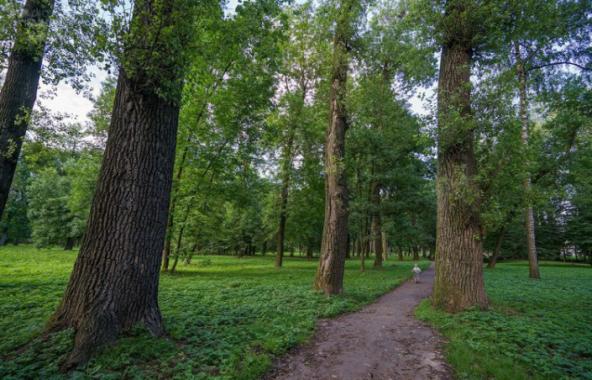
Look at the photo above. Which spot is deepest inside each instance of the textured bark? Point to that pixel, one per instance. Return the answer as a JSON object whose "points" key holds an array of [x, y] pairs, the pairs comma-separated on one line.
{"points": [[459, 256], [376, 225], [19, 89], [114, 283], [529, 228], [329, 277]]}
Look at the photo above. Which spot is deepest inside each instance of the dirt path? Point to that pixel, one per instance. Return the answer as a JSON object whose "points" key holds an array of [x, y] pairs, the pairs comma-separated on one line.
{"points": [[382, 341]]}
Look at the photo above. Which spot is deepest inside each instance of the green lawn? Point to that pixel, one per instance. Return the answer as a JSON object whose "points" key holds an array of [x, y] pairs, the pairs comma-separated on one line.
{"points": [[534, 330], [226, 317]]}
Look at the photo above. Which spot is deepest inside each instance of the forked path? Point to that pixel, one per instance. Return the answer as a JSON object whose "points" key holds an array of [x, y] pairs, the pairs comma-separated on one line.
{"points": [[382, 341]]}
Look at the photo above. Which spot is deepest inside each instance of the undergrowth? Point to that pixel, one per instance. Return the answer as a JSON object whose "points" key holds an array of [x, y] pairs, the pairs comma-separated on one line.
{"points": [[533, 330], [226, 318]]}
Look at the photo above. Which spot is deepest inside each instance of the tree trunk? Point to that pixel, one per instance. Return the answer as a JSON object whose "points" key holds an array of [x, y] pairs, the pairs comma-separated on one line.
{"points": [[349, 247], [115, 279], [385, 247], [19, 90], [309, 252], [415, 250], [69, 244], [114, 283], [401, 258], [376, 226], [329, 277], [459, 259], [498, 247], [166, 253], [286, 172], [533, 264]]}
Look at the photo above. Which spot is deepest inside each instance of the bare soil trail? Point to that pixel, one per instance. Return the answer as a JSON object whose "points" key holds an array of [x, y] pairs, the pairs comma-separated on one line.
{"points": [[383, 341]]}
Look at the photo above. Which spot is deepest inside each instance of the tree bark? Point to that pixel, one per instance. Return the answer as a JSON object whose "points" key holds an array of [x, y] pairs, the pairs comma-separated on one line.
{"points": [[114, 283], [533, 264], [376, 226], [19, 90], [459, 259], [329, 277]]}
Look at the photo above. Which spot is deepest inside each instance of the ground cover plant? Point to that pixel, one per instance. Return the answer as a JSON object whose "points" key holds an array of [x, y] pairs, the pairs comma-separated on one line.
{"points": [[226, 317], [533, 330]]}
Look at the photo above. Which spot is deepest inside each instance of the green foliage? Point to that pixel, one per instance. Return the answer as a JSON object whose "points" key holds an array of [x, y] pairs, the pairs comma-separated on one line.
{"points": [[225, 320], [15, 227], [534, 329], [48, 209]]}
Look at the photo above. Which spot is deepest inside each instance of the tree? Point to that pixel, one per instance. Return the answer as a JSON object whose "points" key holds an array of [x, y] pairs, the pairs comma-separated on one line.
{"points": [[329, 277], [459, 256], [19, 89], [114, 284]]}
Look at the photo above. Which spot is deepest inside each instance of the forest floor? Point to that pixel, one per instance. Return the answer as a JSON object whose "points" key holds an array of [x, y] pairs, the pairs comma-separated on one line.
{"points": [[226, 317], [229, 318], [382, 341]]}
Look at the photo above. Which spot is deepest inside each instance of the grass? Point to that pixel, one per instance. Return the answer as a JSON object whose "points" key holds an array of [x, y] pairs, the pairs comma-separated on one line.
{"points": [[226, 317], [533, 330]]}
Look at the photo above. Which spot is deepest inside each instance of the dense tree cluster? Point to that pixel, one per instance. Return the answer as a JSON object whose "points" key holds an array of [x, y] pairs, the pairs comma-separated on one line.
{"points": [[277, 128]]}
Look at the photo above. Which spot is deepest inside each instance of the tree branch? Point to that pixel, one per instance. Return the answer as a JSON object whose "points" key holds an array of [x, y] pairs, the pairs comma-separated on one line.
{"points": [[585, 68]]}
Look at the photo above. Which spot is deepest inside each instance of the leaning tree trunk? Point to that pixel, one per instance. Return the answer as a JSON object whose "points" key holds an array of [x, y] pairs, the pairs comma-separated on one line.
{"points": [[376, 225], [329, 277], [459, 258], [533, 264], [19, 90], [114, 284], [498, 248], [115, 279]]}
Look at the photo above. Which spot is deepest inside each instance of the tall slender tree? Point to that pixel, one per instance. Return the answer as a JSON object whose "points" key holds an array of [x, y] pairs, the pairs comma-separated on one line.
{"points": [[459, 258], [114, 284], [329, 277], [19, 90]]}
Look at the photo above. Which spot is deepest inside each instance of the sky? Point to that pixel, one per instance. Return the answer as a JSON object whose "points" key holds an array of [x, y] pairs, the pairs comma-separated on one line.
{"points": [[64, 99]]}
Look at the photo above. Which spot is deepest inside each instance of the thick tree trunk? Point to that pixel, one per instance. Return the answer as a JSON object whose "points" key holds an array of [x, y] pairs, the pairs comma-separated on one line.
{"points": [[19, 90], [114, 283], [376, 225], [329, 277], [529, 228], [459, 258]]}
